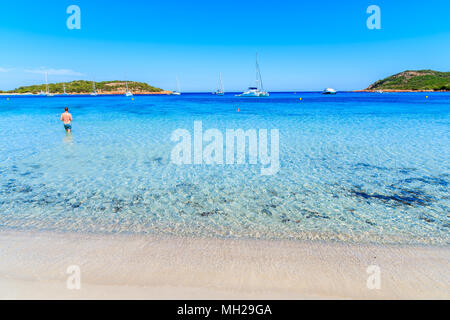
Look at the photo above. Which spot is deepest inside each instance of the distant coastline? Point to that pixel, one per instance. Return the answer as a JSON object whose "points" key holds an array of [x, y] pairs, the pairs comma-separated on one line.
{"points": [[406, 81], [83, 87], [398, 90], [100, 93]]}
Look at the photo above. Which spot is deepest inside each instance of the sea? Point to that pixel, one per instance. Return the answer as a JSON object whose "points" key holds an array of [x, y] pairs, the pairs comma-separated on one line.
{"points": [[353, 167]]}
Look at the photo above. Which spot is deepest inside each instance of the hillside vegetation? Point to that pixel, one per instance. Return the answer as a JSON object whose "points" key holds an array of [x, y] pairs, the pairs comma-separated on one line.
{"points": [[414, 80], [83, 86]]}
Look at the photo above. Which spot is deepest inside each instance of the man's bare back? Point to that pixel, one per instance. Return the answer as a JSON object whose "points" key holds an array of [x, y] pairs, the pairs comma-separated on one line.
{"points": [[66, 117]]}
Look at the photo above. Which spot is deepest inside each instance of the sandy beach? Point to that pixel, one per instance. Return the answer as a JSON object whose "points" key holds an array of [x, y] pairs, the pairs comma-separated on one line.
{"points": [[33, 266]]}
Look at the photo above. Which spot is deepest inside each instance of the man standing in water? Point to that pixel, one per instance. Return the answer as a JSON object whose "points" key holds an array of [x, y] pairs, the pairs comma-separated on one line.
{"points": [[67, 118]]}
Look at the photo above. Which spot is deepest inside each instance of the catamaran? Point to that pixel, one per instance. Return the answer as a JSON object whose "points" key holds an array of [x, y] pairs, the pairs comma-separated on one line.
{"points": [[177, 92], [127, 91], [220, 91], [329, 91], [258, 90], [94, 91]]}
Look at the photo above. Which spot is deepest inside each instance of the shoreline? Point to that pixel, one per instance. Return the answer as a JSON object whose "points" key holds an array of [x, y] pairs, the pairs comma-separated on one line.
{"points": [[33, 266], [166, 92], [396, 90]]}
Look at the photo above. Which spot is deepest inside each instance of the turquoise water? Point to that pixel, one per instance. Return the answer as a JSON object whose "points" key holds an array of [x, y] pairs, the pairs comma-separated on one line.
{"points": [[359, 167]]}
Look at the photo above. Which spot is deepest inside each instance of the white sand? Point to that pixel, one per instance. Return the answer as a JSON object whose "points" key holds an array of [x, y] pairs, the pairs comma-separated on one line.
{"points": [[33, 265]]}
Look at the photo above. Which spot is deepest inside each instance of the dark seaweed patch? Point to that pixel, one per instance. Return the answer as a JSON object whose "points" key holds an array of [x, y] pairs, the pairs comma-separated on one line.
{"points": [[313, 214], [362, 165], [185, 187], [404, 198], [406, 170], [428, 180], [158, 160], [285, 220], [117, 205], [426, 219], [24, 189], [137, 198], [209, 213], [46, 201], [76, 205]]}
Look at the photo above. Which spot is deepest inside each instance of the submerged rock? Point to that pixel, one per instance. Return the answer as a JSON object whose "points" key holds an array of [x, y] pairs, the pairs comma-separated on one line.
{"points": [[209, 213]]}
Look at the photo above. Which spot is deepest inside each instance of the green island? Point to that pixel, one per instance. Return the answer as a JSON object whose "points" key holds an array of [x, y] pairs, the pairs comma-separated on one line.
{"points": [[86, 87], [412, 80]]}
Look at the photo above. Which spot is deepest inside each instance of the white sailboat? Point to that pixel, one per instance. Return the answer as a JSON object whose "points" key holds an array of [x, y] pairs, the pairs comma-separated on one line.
{"points": [[220, 91], [94, 90], [64, 89], [258, 90], [177, 92], [127, 91], [47, 91]]}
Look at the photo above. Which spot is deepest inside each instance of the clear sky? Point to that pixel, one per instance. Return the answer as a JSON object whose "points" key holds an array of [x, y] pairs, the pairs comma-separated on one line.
{"points": [[302, 45]]}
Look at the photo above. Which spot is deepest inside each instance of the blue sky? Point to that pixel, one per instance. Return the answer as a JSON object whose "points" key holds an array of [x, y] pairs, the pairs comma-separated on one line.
{"points": [[302, 45]]}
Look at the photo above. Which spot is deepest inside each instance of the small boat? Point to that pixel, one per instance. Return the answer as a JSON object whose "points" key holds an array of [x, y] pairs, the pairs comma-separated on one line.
{"points": [[220, 91], [177, 92], [329, 91], [127, 91], [42, 93], [253, 92], [257, 91], [379, 91], [94, 91]]}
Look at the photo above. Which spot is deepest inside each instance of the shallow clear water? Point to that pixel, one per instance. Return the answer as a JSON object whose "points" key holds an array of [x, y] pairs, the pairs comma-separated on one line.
{"points": [[360, 167]]}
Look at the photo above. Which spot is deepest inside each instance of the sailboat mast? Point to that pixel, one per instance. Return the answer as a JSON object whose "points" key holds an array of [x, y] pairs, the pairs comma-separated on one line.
{"points": [[256, 68], [258, 75], [46, 82], [220, 82]]}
